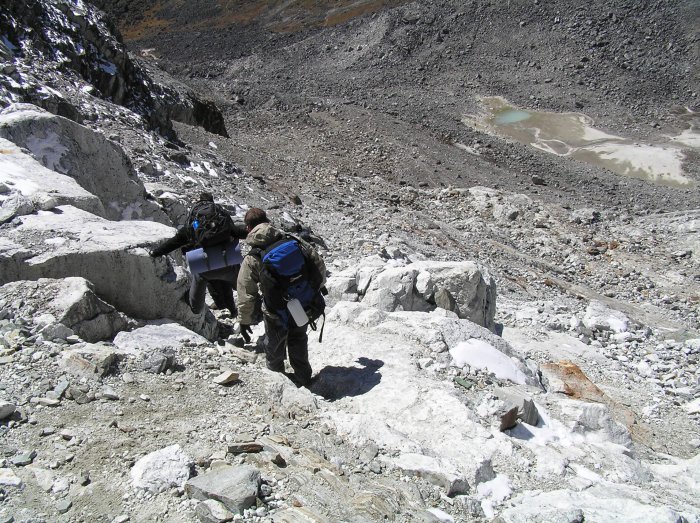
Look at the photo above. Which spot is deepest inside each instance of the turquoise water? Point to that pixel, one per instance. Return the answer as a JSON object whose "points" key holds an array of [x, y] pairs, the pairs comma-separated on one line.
{"points": [[511, 116]]}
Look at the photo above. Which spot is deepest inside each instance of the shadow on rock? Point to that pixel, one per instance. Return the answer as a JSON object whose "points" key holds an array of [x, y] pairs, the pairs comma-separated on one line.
{"points": [[334, 383]]}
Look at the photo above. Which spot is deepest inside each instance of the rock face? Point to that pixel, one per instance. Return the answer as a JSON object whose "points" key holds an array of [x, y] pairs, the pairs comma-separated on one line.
{"points": [[98, 165], [70, 302], [70, 242], [464, 288], [32, 187], [92, 51]]}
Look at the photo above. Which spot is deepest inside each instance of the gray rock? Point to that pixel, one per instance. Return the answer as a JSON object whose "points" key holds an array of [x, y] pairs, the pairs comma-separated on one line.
{"points": [[90, 360], [23, 459], [517, 397], [64, 506], [7, 409], [235, 487], [212, 511], [159, 362]]}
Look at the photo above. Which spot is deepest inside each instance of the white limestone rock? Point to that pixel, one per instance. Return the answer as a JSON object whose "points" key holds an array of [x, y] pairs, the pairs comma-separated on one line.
{"points": [[600, 317], [68, 306], [9, 479], [162, 469], [466, 287], [34, 187], [109, 254], [444, 474], [98, 165]]}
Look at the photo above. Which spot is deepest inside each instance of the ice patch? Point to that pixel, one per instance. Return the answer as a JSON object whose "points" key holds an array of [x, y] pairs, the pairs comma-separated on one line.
{"points": [[482, 355]]}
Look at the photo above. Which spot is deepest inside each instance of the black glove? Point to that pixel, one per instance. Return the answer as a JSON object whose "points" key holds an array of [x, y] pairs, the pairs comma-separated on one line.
{"points": [[246, 331], [153, 254]]}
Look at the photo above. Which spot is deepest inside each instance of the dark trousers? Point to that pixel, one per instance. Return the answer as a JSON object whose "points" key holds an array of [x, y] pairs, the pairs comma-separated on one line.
{"points": [[222, 280], [280, 341]]}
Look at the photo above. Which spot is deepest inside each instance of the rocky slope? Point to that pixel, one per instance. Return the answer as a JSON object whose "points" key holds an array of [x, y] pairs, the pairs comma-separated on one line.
{"points": [[512, 335]]}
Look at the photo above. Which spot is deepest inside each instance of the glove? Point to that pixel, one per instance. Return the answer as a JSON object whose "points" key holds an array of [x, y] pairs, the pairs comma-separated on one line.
{"points": [[246, 331], [152, 254]]}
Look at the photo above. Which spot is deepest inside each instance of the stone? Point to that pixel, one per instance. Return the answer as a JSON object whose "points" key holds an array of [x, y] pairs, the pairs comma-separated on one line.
{"points": [[242, 447], [509, 419], [7, 409], [212, 511], [516, 397], [23, 459], [444, 474], [109, 393], [9, 479], [226, 378], [64, 506], [162, 469], [692, 407], [159, 362], [235, 487], [90, 360]]}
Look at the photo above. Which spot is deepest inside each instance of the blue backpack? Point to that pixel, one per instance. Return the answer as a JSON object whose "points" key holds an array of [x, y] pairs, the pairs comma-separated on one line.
{"points": [[287, 273]]}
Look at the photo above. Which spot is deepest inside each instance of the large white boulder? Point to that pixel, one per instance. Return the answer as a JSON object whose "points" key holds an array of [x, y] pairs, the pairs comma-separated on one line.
{"points": [[110, 254], [29, 186], [98, 165], [465, 288], [71, 302], [162, 469]]}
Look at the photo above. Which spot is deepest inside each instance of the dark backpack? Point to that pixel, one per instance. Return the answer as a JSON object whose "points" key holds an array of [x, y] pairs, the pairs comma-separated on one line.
{"points": [[209, 224], [288, 272]]}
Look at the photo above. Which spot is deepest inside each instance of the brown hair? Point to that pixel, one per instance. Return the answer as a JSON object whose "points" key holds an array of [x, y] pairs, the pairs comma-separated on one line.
{"points": [[255, 216]]}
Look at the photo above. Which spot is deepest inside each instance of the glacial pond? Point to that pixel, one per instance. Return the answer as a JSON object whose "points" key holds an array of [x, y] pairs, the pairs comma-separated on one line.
{"points": [[573, 135]]}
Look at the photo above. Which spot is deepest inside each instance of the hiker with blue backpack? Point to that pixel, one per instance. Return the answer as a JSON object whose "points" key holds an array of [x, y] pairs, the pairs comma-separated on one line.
{"points": [[210, 242], [289, 276]]}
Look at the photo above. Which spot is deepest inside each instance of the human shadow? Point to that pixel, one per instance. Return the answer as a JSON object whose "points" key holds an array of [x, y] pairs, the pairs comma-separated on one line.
{"points": [[333, 383]]}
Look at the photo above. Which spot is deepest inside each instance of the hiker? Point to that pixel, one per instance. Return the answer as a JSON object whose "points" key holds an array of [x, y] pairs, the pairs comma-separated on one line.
{"points": [[209, 240], [284, 271]]}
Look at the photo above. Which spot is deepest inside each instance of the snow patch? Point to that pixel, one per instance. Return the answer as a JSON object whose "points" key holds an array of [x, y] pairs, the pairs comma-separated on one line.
{"points": [[483, 355]]}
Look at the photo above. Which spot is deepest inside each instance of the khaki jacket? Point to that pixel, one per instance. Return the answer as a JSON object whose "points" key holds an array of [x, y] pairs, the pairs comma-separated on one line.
{"points": [[262, 236]]}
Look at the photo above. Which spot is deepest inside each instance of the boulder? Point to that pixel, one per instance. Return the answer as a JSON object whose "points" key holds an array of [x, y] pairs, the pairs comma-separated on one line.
{"points": [[70, 302], [600, 317], [235, 487], [7, 409], [520, 399], [33, 187], [464, 288], [443, 473], [91, 361], [212, 511], [98, 165], [160, 470], [70, 242]]}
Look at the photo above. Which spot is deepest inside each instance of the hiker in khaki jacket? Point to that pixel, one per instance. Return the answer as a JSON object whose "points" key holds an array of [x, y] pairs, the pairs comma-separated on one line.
{"points": [[280, 334]]}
